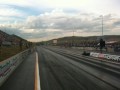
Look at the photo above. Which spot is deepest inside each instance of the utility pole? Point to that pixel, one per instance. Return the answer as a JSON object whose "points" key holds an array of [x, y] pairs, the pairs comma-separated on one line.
{"points": [[102, 25], [73, 37]]}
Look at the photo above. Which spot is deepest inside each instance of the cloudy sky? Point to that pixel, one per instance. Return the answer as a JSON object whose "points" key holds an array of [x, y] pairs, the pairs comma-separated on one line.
{"points": [[38, 20]]}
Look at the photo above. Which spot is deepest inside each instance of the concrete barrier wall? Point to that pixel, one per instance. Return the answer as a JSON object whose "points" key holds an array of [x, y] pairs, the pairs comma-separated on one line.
{"points": [[9, 65], [106, 56]]}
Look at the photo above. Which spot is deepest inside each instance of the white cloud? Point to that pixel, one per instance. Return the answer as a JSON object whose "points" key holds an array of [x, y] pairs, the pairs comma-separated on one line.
{"points": [[95, 6], [49, 25], [17, 2], [27, 30], [58, 22], [9, 12]]}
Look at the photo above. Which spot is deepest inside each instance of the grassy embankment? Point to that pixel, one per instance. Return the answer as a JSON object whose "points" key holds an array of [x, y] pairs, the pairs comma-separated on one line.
{"points": [[7, 52]]}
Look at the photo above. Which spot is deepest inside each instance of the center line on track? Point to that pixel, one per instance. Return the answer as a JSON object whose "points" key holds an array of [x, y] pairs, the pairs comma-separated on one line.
{"points": [[37, 76]]}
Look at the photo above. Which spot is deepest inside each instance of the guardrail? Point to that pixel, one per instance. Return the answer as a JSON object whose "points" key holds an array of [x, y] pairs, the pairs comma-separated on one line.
{"points": [[9, 65]]}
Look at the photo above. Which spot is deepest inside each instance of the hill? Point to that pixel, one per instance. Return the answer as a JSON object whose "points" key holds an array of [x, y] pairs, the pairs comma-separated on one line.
{"points": [[77, 39]]}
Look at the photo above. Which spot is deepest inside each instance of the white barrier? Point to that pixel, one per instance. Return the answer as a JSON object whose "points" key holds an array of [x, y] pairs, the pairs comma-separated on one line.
{"points": [[9, 65], [106, 56]]}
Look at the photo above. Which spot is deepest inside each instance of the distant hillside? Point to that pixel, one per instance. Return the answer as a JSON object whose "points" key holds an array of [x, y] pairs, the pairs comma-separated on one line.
{"points": [[77, 39], [92, 38]]}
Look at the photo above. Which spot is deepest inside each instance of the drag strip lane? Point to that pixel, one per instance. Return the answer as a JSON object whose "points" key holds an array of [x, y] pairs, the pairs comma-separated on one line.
{"points": [[61, 73], [106, 74]]}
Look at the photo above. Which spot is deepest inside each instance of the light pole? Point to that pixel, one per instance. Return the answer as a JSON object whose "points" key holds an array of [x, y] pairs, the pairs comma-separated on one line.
{"points": [[73, 31], [73, 36], [102, 24]]}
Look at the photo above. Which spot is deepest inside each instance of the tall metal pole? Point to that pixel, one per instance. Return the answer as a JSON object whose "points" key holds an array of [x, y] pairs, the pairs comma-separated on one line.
{"points": [[102, 26], [73, 31], [73, 37]]}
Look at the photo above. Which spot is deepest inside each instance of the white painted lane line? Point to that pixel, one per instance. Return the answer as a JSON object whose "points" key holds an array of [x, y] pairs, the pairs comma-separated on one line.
{"points": [[37, 76]]}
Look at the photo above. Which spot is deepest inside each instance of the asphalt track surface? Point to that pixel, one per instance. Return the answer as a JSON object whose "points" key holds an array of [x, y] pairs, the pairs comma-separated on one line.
{"points": [[23, 77], [57, 72]]}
